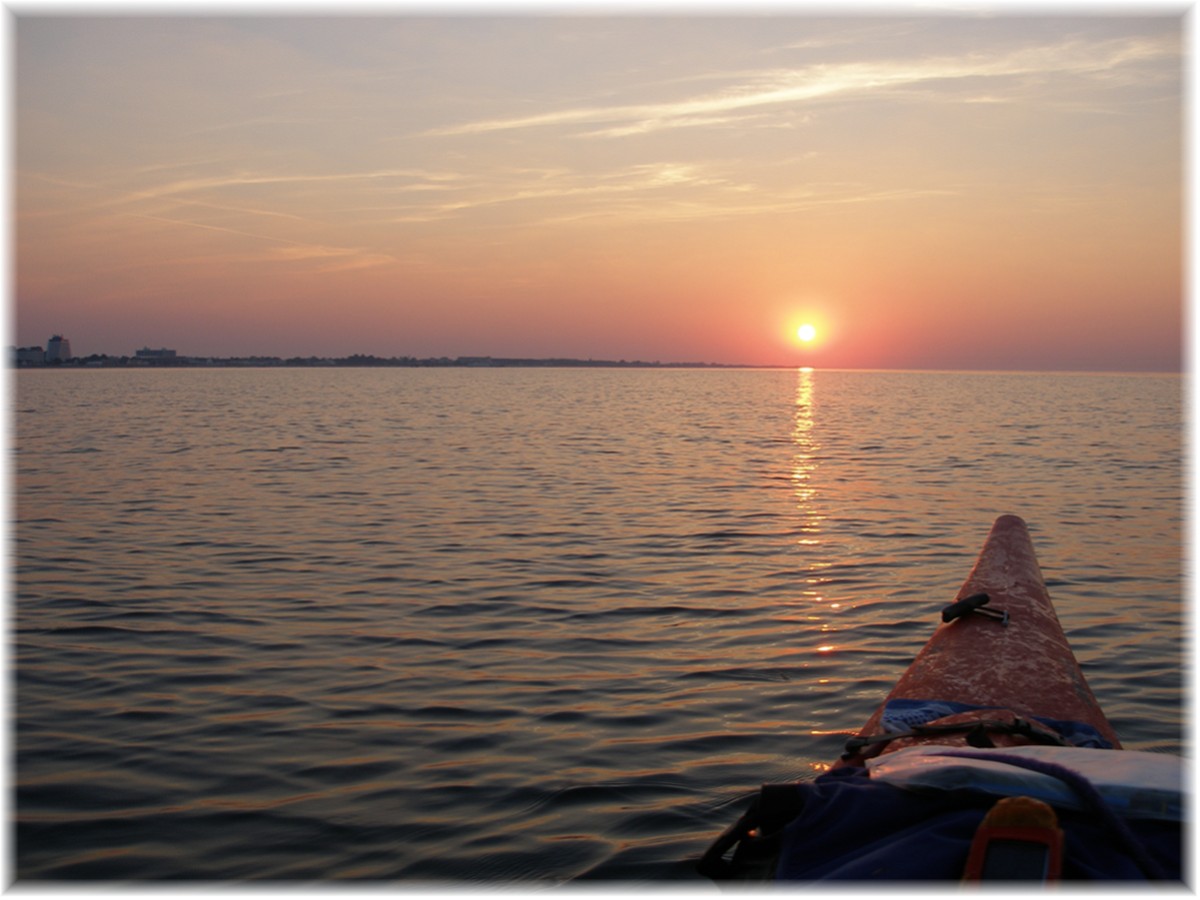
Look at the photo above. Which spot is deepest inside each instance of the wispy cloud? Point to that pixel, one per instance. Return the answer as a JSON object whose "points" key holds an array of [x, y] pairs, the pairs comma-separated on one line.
{"points": [[519, 185], [334, 258], [660, 191], [743, 202], [1110, 59], [645, 126], [209, 192], [420, 178]]}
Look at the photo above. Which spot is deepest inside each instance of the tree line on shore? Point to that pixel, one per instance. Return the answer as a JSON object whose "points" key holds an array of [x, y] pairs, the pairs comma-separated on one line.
{"points": [[103, 360]]}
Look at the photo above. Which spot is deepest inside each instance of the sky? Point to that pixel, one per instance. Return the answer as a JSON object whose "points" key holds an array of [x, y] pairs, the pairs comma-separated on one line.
{"points": [[963, 190]]}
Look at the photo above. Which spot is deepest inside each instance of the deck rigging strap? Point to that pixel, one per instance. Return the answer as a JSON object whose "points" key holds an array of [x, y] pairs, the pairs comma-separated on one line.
{"points": [[976, 734]]}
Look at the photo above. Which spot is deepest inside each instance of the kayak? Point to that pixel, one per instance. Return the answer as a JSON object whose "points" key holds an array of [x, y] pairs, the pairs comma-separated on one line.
{"points": [[990, 759], [1002, 670]]}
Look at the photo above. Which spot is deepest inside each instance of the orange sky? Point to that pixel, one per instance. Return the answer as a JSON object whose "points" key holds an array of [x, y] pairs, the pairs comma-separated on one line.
{"points": [[939, 191]]}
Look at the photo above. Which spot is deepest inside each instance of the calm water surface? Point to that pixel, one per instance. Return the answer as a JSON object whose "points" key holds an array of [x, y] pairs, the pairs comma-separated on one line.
{"points": [[526, 625]]}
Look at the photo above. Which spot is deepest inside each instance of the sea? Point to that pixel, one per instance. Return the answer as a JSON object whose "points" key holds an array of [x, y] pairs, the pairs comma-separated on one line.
{"points": [[526, 627]]}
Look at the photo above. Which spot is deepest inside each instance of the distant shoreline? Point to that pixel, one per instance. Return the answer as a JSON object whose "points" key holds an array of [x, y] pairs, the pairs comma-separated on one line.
{"points": [[103, 361], [360, 361]]}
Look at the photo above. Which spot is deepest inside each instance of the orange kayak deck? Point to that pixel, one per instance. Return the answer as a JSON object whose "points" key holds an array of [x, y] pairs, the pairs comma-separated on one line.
{"points": [[1024, 668]]}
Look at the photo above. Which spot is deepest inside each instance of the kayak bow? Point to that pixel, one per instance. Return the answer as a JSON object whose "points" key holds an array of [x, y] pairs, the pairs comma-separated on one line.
{"points": [[989, 759], [1020, 669]]}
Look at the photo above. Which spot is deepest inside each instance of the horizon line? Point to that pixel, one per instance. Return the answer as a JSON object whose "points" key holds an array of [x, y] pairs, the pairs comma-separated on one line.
{"points": [[461, 361]]}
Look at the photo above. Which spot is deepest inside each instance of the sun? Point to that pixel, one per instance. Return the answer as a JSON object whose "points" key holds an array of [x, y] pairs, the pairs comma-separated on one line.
{"points": [[806, 333]]}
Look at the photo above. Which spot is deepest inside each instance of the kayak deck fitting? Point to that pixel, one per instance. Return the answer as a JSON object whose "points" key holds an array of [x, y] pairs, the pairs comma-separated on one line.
{"points": [[994, 707]]}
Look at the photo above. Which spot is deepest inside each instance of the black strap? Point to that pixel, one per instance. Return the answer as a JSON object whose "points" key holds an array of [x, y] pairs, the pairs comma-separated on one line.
{"points": [[755, 835], [976, 731]]}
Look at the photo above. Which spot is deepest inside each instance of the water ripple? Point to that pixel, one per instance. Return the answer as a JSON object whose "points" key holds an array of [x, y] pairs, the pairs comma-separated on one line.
{"points": [[528, 626]]}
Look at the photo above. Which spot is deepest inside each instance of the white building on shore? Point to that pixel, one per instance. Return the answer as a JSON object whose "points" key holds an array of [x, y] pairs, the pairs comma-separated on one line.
{"points": [[58, 349]]}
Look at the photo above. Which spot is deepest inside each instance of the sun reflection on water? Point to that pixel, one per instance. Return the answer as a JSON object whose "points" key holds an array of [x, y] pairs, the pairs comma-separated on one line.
{"points": [[805, 461]]}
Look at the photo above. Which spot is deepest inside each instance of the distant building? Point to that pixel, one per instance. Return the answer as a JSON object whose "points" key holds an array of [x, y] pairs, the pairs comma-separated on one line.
{"points": [[147, 353], [58, 349], [29, 356]]}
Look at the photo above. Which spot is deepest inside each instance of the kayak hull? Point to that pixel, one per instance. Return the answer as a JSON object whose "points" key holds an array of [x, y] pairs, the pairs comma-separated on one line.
{"points": [[1023, 668], [890, 811]]}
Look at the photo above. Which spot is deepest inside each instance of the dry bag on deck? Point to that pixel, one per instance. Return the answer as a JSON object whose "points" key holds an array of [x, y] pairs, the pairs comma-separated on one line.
{"points": [[845, 826]]}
